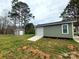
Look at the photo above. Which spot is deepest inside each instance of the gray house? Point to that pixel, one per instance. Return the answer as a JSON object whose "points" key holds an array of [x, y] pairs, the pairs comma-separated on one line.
{"points": [[61, 29]]}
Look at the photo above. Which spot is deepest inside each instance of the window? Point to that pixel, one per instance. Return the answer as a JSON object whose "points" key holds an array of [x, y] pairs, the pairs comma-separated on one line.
{"points": [[65, 29]]}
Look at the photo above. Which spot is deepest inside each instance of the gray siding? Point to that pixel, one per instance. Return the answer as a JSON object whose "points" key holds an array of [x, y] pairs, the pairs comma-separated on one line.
{"points": [[56, 31]]}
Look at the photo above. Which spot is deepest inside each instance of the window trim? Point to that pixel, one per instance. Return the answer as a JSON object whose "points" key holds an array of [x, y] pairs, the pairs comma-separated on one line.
{"points": [[67, 29]]}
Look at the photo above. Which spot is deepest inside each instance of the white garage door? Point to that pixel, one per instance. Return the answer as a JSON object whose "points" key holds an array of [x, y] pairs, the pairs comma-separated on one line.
{"points": [[39, 31]]}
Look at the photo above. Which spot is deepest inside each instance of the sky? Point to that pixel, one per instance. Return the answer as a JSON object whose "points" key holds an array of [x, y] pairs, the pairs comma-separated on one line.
{"points": [[45, 11]]}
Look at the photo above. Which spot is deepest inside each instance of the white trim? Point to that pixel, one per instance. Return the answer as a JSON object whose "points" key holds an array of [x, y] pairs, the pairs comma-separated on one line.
{"points": [[72, 30], [67, 29]]}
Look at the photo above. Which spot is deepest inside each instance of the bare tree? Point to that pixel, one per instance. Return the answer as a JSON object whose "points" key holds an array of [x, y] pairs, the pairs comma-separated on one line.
{"points": [[5, 22]]}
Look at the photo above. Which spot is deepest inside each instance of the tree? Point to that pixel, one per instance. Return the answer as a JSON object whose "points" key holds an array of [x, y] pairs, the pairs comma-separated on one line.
{"points": [[29, 28], [20, 13], [5, 23], [71, 11]]}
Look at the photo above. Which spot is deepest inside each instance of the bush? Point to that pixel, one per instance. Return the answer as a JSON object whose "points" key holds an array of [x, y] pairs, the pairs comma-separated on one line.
{"points": [[29, 29]]}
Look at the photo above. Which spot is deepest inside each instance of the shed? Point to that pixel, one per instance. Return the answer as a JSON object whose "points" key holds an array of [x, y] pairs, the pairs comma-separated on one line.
{"points": [[61, 29]]}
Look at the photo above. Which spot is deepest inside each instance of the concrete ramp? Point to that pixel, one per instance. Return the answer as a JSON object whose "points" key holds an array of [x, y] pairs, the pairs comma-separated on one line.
{"points": [[35, 38], [76, 38]]}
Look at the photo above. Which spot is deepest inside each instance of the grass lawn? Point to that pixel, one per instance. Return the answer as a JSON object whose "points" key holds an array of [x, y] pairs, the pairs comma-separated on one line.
{"points": [[9, 45]]}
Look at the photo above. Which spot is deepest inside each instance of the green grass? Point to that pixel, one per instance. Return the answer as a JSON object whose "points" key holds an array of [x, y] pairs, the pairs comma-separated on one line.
{"points": [[8, 42], [51, 46]]}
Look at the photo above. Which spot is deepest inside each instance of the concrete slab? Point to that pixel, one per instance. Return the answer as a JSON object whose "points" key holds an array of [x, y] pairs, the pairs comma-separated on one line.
{"points": [[35, 38]]}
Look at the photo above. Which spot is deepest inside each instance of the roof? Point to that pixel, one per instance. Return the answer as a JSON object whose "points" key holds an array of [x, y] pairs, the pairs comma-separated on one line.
{"points": [[54, 23]]}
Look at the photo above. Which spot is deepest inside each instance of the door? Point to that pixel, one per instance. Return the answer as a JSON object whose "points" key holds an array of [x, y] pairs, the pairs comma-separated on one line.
{"points": [[39, 31]]}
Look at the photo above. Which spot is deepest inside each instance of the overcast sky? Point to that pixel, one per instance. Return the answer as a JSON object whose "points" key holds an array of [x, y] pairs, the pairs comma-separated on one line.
{"points": [[45, 11]]}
